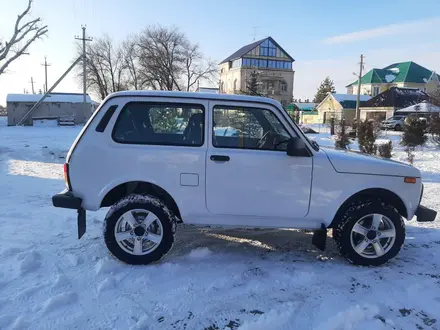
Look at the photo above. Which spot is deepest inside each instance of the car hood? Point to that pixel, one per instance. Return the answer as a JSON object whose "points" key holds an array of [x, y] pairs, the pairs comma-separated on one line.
{"points": [[345, 161]]}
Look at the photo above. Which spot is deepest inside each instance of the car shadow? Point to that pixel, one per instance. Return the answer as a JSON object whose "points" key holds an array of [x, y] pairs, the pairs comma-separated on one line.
{"points": [[289, 244], [278, 243]]}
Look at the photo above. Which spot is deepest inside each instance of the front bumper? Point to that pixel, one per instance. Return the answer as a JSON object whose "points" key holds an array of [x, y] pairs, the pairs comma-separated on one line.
{"points": [[425, 214], [67, 200]]}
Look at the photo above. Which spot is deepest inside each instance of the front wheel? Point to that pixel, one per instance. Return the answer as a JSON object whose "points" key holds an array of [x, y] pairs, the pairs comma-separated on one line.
{"points": [[369, 233], [139, 229]]}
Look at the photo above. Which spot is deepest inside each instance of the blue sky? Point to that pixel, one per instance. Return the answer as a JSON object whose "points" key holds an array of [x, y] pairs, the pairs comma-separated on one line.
{"points": [[325, 38]]}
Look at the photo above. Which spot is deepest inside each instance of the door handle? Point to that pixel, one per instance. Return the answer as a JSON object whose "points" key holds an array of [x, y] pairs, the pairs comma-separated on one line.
{"points": [[219, 158]]}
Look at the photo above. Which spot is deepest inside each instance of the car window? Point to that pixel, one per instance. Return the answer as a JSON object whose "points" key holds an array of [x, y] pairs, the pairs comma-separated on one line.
{"points": [[248, 128], [161, 124]]}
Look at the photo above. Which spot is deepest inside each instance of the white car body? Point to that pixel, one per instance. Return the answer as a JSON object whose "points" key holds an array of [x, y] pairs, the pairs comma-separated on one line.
{"points": [[255, 188], [395, 123]]}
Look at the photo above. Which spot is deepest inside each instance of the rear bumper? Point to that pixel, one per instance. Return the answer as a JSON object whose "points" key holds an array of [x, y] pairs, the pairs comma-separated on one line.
{"points": [[425, 214], [67, 200]]}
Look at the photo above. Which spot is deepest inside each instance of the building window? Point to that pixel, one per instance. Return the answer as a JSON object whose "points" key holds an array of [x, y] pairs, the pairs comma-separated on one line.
{"points": [[272, 64], [267, 48], [375, 90], [236, 63], [283, 87], [262, 63]]}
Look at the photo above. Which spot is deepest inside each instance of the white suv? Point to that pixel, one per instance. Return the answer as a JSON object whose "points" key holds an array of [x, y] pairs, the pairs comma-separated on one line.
{"points": [[160, 158], [395, 123]]}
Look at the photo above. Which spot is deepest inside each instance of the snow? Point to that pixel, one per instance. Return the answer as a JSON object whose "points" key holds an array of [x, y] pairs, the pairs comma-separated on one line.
{"points": [[55, 97], [350, 97], [200, 253], [420, 107], [212, 278], [390, 78]]}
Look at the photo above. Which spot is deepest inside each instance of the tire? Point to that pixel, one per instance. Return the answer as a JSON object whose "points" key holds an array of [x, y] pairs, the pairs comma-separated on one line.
{"points": [[397, 127], [137, 205], [359, 213]]}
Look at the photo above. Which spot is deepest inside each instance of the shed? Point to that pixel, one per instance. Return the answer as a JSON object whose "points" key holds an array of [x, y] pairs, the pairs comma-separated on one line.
{"points": [[56, 106], [337, 105]]}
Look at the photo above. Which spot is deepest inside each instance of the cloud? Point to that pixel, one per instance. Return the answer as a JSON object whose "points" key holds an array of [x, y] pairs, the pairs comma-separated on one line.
{"points": [[387, 30]]}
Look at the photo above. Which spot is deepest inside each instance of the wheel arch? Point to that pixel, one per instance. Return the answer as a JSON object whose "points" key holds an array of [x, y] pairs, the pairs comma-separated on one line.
{"points": [[383, 194], [141, 187]]}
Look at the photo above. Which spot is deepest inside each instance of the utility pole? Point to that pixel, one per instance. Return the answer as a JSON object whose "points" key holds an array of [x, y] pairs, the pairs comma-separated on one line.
{"points": [[45, 64], [32, 83], [358, 114], [84, 59]]}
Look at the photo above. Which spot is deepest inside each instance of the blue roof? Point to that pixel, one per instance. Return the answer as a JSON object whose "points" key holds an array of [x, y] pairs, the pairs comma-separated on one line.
{"points": [[246, 49], [305, 105]]}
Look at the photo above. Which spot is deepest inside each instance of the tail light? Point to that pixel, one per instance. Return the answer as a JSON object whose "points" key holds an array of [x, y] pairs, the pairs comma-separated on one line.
{"points": [[66, 176]]}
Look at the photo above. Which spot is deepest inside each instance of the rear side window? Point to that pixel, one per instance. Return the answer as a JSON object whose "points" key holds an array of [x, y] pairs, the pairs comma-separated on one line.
{"points": [[160, 124], [106, 118]]}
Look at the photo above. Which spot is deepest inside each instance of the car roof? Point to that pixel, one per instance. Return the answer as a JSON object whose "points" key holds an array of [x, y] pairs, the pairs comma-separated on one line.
{"points": [[195, 95]]}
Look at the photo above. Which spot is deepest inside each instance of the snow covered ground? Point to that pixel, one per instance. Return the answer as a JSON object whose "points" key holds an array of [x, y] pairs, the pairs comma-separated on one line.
{"points": [[212, 279]]}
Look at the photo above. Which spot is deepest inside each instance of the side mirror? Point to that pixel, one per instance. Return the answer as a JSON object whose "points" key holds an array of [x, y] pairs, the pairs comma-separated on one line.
{"points": [[297, 148]]}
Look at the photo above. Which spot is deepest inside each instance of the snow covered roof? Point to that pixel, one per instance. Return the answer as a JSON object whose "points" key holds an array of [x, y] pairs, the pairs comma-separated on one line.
{"points": [[350, 97], [53, 97], [404, 72], [421, 107]]}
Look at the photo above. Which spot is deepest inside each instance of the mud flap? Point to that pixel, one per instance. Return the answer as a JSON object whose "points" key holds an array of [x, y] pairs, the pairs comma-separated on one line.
{"points": [[81, 222], [320, 237]]}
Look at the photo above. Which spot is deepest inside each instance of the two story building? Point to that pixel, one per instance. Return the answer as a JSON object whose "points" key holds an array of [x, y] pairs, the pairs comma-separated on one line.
{"points": [[402, 75], [270, 60]]}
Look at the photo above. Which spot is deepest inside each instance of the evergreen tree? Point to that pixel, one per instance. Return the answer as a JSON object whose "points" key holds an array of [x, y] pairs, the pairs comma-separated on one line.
{"points": [[413, 135], [252, 82], [327, 86], [342, 139], [385, 149], [367, 135]]}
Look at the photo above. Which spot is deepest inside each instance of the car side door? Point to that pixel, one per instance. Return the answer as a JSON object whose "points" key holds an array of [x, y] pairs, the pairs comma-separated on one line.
{"points": [[247, 174]]}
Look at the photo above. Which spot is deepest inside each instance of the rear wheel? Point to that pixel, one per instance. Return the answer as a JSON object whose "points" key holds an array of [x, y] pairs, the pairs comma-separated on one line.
{"points": [[397, 127], [139, 229], [369, 233]]}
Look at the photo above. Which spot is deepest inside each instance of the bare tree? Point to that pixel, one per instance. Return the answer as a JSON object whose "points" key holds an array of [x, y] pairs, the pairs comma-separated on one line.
{"points": [[130, 55], [25, 33], [161, 56], [168, 60], [105, 67], [196, 67]]}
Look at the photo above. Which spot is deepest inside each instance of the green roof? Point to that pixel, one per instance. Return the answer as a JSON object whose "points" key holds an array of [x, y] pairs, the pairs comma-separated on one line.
{"points": [[404, 72]]}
